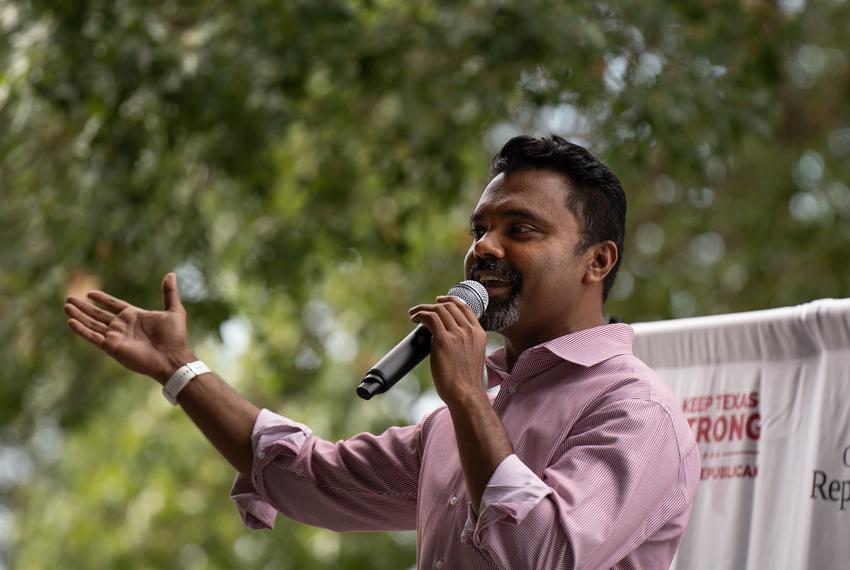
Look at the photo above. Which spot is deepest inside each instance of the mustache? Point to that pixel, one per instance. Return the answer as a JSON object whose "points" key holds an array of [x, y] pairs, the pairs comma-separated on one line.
{"points": [[495, 266]]}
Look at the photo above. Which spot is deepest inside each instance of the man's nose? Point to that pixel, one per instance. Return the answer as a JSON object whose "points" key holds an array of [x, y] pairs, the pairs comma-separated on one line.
{"points": [[488, 245]]}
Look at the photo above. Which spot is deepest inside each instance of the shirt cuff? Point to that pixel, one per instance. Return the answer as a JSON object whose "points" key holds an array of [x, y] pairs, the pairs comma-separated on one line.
{"points": [[513, 490], [271, 436]]}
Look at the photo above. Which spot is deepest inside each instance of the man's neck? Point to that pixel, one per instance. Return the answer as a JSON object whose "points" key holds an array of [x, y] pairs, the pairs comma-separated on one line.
{"points": [[517, 342]]}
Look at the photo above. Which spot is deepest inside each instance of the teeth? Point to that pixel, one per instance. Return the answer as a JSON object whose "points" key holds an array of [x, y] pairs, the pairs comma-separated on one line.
{"points": [[489, 278]]}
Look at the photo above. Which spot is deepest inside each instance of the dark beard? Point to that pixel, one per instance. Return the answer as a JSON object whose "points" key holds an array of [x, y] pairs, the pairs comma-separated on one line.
{"points": [[500, 313]]}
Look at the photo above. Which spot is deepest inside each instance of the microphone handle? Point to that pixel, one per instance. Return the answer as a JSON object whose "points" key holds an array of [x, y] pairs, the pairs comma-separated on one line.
{"points": [[396, 363]]}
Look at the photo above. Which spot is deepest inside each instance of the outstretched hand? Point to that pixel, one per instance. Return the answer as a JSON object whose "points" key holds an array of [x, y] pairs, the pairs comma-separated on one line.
{"points": [[148, 342]]}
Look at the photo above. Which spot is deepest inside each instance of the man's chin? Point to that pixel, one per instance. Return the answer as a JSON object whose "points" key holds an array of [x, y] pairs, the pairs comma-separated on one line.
{"points": [[501, 314]]}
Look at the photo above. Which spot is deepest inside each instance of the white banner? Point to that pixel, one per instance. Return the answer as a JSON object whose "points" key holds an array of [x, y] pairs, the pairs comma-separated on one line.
{"points": [[767, 394]]}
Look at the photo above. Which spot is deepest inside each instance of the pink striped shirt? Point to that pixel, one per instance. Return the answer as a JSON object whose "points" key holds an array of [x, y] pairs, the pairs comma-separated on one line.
{"points": [[603, 475]]}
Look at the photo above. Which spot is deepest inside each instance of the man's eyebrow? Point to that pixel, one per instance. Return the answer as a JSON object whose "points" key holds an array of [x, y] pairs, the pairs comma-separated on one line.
{"points": [[512, 213]]}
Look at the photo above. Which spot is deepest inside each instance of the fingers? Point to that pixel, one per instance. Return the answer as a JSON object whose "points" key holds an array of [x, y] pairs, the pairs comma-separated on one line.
{"points": [[93, 337], [88, 309], [459, 308], [85, 320], [430, 319], [170, 293], [108, 301], [454, 313], [428, 316], [450, 311]]}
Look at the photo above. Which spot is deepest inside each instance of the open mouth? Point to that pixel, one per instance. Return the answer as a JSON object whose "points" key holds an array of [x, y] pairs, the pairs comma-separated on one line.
{"points": [[496, 285], [501, 281]]}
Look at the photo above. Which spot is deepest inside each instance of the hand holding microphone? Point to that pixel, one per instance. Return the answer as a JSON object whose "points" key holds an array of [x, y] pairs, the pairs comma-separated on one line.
{"points": [[447, 318]]}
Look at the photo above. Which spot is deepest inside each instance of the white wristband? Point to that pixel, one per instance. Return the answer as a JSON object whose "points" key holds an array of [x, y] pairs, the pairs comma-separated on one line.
{"points": [[181, 377]]}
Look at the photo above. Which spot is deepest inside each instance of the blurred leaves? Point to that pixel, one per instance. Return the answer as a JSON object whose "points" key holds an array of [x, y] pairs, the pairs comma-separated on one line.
{"points": [[308, 170]]}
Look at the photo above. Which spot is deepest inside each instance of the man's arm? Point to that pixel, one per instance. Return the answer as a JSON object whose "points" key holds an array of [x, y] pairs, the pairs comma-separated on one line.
{"points": [[225, 418], [342, 486], [481, 441], [154, 343], [457, 361], [620, 484]]}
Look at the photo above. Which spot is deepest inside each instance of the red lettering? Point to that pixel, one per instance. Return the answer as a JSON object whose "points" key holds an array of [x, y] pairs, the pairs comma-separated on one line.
{"points": [[754, 399], [703, 427], [736, 427], [697, 404], [719, 434], [732, 427], [730, 402], [740, 471], [754, 426]]}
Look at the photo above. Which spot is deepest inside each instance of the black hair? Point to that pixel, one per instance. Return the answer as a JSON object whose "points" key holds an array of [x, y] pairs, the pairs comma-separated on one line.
{"points": [[597, 199]]}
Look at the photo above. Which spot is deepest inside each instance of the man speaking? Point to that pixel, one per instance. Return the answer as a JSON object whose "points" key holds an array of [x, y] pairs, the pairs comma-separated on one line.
{"points": [[582, 459]]}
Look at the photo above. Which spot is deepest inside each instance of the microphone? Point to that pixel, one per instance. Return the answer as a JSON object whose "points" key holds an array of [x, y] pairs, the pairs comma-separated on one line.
{"points": [[417, 345]]}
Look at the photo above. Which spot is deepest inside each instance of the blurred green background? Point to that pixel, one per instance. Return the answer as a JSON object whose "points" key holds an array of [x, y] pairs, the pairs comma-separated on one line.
{"points": [[308, 169]]}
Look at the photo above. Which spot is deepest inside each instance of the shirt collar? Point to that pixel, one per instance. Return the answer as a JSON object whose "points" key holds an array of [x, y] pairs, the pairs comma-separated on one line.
{"points": [[586, 348]]}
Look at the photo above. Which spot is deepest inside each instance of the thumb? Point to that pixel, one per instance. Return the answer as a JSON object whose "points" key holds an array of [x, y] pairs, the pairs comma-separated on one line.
{"points": [[170, 294]]}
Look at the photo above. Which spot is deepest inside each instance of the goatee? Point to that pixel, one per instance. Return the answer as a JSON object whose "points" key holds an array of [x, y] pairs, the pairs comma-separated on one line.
{"points": [[500, 313]]}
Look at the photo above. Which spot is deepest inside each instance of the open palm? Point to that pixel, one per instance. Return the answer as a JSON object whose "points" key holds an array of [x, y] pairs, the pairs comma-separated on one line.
{"points": [[148, 342]]}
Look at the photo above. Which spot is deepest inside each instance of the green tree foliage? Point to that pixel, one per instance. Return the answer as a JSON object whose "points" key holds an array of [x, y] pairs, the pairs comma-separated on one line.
{"points": [[308, 167]]}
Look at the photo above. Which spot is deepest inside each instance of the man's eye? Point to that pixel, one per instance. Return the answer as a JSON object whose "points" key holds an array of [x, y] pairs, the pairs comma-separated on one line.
{"points": [[521, 229], [477, 232]]}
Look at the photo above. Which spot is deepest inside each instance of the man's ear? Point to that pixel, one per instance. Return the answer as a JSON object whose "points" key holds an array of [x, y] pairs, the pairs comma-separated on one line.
{"points": [[600, 259]]}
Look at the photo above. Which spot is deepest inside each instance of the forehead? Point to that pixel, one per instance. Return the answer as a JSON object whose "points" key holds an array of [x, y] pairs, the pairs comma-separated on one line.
{"points": [[540, 193]]}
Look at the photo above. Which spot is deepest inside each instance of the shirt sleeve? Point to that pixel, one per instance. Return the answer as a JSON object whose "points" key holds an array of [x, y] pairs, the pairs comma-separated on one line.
{"points": [[511, 483], [367, 482], [617, 481]]}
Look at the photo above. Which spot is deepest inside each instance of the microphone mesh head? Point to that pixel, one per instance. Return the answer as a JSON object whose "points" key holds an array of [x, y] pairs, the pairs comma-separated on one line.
{"points": [[473, 294]]}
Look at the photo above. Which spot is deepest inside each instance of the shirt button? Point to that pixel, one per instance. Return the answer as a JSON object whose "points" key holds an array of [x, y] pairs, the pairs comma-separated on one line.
{"points": [[453, 500], [438, 564], [261, 455], [512, 388]]}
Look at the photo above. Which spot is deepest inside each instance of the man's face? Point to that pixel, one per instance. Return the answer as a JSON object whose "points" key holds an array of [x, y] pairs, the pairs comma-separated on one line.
{"points": [[524, 252]]}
